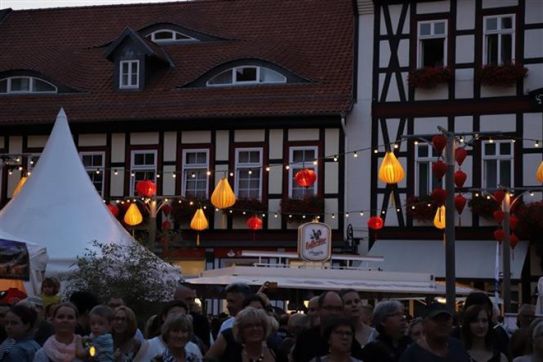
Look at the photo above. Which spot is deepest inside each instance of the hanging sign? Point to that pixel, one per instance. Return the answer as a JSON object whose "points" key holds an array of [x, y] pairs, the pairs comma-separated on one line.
{"points": [[536, 97], [314, 241], [14, 260]]}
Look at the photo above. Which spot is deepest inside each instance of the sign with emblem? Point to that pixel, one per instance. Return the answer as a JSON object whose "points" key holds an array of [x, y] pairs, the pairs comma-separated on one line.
{"points": [[536, 97], [314, 241]]}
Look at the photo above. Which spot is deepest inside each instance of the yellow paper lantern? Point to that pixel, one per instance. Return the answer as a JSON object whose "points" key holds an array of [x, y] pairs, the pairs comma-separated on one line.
{"points": [[439, 219], [19, 186], [133, 215], [391, 170], [223, 196], [199, 223], [539, 173]]}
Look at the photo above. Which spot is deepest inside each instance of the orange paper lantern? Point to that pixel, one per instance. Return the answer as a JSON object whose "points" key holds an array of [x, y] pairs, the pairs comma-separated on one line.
{"points": [[391, 170], [199, 223], [133, 215], [223, 197]]}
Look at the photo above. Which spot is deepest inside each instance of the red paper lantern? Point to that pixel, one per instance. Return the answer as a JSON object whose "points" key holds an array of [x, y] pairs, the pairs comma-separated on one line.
{"points": [[439, 168], [146, 188], [513, 241], [254, 223], [459, 203], [513, 222], [499, 195], [439, 141], [167, 209], [498, 215], [306, 177], [460, 155], [439, 195], [460, 178], [166, 225], [499, 234], [114, 209], [375, 223]]}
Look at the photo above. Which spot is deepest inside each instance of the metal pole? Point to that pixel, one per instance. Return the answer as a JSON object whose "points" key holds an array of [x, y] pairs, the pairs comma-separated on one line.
{"points": [[506, 208], [450, 266]]}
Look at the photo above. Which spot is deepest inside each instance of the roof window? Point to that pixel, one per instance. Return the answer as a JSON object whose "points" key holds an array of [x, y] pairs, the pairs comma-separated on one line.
{"points": [[245, 75], [25, 85], [168, 36]]}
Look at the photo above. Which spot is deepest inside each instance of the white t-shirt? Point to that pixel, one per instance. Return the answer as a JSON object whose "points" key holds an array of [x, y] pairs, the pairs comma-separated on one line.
{"points": [[229, 323], [156, 346]]}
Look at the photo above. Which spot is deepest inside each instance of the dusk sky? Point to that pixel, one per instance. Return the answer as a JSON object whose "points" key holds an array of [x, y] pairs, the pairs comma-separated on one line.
{"points": [[36, 4]]}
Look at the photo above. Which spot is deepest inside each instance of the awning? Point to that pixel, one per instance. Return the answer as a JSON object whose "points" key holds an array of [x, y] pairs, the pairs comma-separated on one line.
{"points": [[475, 259]]}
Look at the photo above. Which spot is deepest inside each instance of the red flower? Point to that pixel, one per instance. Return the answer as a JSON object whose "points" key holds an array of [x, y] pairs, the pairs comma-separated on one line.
{"points": [[429, 77], [502, 75]]}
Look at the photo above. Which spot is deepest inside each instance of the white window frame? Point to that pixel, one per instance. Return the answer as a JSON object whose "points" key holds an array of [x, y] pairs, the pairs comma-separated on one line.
{"points": [[499, 32], [130, 63], [432, 35], [31, 88], [93, 169], [255, 167], [237, 83], [173, 34], [192, 166], [498, 157], [429, 160], [299, 165], [141, 168]]}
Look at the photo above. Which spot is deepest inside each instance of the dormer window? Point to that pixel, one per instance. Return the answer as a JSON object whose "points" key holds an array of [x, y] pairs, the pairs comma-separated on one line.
{"points": [[25, 85], [248, 74], [129, 74], [168, 36]]}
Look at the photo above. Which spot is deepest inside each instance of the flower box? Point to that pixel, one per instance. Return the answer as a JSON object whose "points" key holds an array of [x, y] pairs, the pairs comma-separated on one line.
{"points": [[429, 77], [484, 207], [249, 206], [502, 75], [418, 209], [298, 208]]}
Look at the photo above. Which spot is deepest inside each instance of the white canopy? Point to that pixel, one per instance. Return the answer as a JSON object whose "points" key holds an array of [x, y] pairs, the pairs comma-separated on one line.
{"points": [[59, 207]]}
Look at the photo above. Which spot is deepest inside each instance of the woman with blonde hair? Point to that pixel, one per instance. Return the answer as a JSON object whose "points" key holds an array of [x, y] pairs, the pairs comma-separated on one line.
{"points": [[176, 332], [251, 329]]}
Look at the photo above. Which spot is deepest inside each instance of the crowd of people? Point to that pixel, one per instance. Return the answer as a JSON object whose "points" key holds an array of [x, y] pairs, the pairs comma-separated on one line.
{"points": [[335, 327]]}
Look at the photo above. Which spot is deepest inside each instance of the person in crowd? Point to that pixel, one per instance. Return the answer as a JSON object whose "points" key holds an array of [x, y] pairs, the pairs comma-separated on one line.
{"points": [[123, 330], [297, 323], [353, 309], [436, 345], [49, 291], [176, 333], [251, 329], [114, 302], [4, 308], [199, 321], [415, 329], [19, 345], [235, 296], [43, 328], [477, 335], [61, 346], [311, 343], [339, 332], [154, 346], [520, 340], [313, 311], [84, 301], [100, 319], [391, 324], [537, 344]]}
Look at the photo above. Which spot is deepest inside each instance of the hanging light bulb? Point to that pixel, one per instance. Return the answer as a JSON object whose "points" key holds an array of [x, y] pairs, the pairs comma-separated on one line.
{"points": [[439, 219], [391, 170], [223, 197]]}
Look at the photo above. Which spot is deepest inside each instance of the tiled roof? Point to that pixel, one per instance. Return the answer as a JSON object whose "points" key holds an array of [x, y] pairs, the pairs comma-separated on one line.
{"points": [[311, 38]]}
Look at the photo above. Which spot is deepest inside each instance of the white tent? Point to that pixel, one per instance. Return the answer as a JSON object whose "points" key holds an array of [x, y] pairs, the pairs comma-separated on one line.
{"points": [[59, 207]]}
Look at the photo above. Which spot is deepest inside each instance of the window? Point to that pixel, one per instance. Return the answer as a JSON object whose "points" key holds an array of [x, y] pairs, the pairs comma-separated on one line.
{"points": [[129, 74], [195, 178], [299, 158], [499, 39], [425, 181], [94, 165], [22, 85], [168, 36], [432, 43], [248, 74], [248, 183], [143, 167], [497, 163]]}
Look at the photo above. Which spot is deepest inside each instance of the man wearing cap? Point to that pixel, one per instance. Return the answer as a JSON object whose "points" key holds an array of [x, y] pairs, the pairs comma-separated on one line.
{"points": [[436, 345]]}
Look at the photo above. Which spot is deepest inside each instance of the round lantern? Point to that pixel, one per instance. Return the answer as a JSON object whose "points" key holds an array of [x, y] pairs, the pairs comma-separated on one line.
{"points": [[498, 215], [19, 186], [459, 178], [499, 195], [513, 241], [199, 223], [459, 203], [499, 234], [254, 223], [439, 168], [223, 197], [146, 188], [439, 141], [133, 215], [166, 209], [305, 177], [439, 218], [460, 155], [166, 225], [391, 170], [513, 222], [539, 173], [375, 223], [439, 195], [114, 209]]}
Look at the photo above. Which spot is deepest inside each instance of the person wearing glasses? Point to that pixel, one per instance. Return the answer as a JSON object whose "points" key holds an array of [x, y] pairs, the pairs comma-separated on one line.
{"points": [[339, 332]]}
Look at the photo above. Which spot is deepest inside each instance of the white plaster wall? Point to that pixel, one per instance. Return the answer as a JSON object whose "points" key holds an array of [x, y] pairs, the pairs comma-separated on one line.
{"points": [[117, 147], [144, 138], [498, 123], [168, 182], [384, 53], [441, 91], [392, 94], [221, 139], [498, 3], [331, 142], [488, 92], [37, 141], [428, 125], [533, 11], [274, 207], [94, 139], [533, 42], [249, 135], [433, 7], [196, 137], [276, 144], [530, 163], [275, 177], [465, 46], [390, 218], [392, 127], [533, 128], [463, 124], [303, 134], [170, 146], [116, 183], [403, 52], [464, 83], [466, 14], [330, 207], [534, 77], [331, 172]]}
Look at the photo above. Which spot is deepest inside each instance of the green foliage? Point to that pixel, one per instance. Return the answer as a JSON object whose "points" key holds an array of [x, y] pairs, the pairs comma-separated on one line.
{"points": [[132, 272]]}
